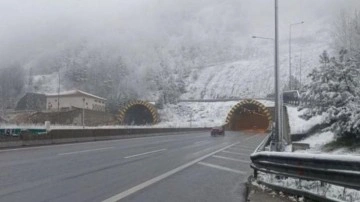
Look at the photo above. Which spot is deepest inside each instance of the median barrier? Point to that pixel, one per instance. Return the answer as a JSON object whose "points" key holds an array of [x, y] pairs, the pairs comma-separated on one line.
{"points": [[61, 136]]}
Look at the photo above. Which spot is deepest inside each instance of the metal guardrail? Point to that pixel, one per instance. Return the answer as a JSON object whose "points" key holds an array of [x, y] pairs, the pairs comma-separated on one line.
{"points": [[339, 170]]}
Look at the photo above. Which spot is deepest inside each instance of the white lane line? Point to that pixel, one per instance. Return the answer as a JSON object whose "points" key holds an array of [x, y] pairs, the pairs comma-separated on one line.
{"points": [[84, 151], [245, 148], [222, 168], [240, 150], [231, 159], [237, 153], [150, 152], [200, 142], [145, 184]]}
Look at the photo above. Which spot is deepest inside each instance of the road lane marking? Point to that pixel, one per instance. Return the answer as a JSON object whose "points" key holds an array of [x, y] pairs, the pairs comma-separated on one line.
{"points": [[244, 147], [200, 142], [222, 168], [150, 152], [237, 153], [231, 159], [240, 150], [154, 180], [84, 151]]}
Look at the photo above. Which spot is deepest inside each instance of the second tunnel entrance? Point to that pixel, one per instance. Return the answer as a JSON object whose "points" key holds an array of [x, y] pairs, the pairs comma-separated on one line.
{"points": [[249, 115]]}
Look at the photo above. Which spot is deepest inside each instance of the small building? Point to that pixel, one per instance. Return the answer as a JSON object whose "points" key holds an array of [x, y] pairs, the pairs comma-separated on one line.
{"points": [[32, 101], [74, 99]]}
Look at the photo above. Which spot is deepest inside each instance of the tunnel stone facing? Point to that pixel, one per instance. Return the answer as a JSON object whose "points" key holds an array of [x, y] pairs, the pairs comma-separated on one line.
{"points": [[249, 115], [139, 113]]}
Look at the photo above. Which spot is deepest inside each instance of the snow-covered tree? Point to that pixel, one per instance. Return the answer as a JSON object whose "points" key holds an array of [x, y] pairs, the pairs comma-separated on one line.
{"points": [[12, 81], [334, 93]]}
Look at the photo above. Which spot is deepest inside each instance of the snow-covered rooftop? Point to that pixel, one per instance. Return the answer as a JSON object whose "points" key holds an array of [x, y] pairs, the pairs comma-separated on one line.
{"points": [[74, 92]]}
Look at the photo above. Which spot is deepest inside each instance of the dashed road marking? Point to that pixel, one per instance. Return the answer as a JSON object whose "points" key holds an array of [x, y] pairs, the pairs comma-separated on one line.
{"points": [[141, 154], [201, 142], [239, 150], [222, 168], [237, 153], [154, 180], [84, 151]]}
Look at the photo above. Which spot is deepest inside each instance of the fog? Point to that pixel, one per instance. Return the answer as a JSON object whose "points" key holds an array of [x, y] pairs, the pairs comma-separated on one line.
{"points": [[143, 32], [30, 29]]}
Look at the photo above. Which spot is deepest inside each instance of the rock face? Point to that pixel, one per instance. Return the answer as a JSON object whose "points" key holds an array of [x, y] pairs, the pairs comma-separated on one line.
{"points": [[32, 101]]}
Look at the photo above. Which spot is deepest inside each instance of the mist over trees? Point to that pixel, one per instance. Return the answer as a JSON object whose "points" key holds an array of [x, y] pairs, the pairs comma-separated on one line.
{"points": [[124, 50], [346, 33]]}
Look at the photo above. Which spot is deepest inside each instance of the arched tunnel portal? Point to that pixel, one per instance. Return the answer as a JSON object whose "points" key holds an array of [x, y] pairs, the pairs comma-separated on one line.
{"points": [[139, 113], [249, 115]]}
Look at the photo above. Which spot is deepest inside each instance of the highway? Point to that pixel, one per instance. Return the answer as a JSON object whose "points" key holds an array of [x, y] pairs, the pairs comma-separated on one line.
{"points": [[183, 167]]}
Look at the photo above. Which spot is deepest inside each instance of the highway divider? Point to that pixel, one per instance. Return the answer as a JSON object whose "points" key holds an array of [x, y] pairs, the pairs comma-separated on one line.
{"points": [[59, 136]]}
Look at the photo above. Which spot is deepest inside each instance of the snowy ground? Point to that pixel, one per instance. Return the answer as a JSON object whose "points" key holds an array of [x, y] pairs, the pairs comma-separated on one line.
{"points": [[316, 141], [299, 125], [330, 191]]}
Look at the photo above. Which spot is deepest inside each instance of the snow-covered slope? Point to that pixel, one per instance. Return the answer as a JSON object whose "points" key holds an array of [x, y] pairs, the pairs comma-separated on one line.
{"points": [[250, 78], [46, 83]]}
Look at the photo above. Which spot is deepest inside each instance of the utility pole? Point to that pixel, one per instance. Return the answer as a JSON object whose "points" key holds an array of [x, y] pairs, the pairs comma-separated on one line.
{"points": [[58, 95]]}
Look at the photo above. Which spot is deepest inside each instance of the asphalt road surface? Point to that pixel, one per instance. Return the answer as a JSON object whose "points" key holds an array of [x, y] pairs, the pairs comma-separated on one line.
{"points": [[185, 167]]}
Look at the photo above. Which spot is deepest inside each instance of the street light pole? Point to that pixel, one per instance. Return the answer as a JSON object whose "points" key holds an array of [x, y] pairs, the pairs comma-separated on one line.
{"points": [[277, 130], [302, 22]]}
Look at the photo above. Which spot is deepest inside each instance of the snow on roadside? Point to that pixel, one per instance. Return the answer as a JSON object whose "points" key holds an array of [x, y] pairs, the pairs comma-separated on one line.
{"points": [[330, 191], [299, 125], [318, 140]]}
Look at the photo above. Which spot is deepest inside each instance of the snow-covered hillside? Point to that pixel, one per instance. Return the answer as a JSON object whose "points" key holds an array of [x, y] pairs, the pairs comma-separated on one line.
{"points": [[46, 83], [250, 78]]}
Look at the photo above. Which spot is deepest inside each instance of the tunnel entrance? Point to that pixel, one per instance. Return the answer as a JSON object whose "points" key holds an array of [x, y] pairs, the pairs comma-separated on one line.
{"points": [[139, 113], [249, 115]]}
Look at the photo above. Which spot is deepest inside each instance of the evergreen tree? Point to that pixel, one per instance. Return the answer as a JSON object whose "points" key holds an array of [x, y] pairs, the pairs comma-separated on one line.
{"points": [[334, 93]]}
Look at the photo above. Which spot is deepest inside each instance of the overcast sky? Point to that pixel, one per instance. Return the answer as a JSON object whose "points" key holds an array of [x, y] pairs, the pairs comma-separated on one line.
{"points": [[32, 27]]}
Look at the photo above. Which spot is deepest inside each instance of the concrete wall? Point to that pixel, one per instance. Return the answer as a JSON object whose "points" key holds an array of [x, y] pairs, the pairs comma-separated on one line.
{"points": [[71, 117], [75, 101]]}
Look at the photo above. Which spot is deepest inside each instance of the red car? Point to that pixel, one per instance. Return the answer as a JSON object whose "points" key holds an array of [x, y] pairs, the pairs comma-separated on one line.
{"points": [[217, 131]]}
